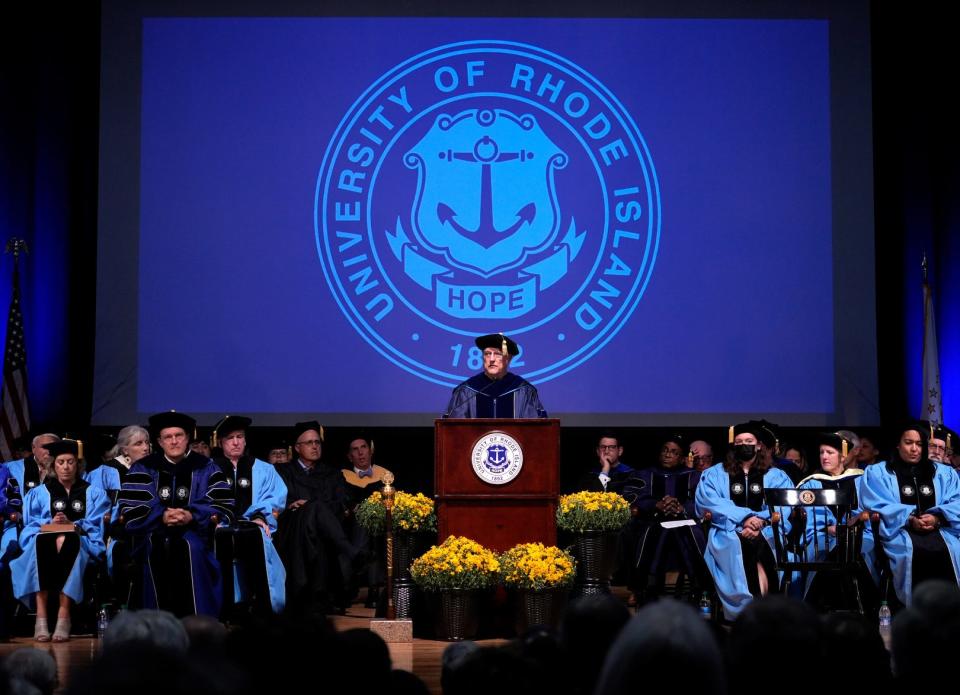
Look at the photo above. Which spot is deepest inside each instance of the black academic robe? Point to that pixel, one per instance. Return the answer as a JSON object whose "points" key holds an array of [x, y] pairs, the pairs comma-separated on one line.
{"points": [[659, 549], [311, 539], [509, 397]]}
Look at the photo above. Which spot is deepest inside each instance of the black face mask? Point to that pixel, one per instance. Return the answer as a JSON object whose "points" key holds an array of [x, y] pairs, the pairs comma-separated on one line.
{"points": [[744, 452]]}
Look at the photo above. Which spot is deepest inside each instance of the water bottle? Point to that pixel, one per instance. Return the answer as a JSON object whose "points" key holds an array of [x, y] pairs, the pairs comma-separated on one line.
{"points": [[706, 607], [103, 620], [885, 619]]}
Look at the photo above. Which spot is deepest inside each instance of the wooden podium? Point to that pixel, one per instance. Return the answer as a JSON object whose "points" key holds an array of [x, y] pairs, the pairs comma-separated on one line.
{"points": [[498, 516]]}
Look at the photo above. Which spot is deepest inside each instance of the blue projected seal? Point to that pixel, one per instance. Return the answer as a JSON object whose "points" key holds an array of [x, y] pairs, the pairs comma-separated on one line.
{"points": [[487, 184]]}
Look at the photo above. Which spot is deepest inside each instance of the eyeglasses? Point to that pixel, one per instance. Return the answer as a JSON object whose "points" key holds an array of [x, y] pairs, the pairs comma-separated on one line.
{"points": [[608, 447], [309, 442]]}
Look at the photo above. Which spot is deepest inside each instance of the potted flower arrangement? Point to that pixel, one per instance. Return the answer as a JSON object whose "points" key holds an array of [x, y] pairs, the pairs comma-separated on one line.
{"points": [[456, 569], [592, 511], [412, 513], [539, 576], [595, 519]]}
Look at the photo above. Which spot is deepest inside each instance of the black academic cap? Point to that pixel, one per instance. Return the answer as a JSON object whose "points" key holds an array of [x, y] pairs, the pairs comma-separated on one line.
{"points": [[64, 446], [939, 432], [276, 444], [752, 427], [226, 425], [766, 432], [172, 418], [231, 423], [836, 440], [103, 442], [920, 426], [302, 427], [359, 434], [497, 341], [676, 439]]}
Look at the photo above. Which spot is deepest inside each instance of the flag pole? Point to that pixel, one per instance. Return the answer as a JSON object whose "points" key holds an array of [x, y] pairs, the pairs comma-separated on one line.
{"points": [[932, 402], [14, 405]]}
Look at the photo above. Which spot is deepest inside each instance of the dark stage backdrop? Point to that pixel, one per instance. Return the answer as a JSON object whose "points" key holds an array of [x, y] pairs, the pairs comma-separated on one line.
{"points": [[656, 208], [50, 129]]}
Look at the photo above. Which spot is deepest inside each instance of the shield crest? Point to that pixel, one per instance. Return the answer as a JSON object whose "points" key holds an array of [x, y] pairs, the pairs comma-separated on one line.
{"points": [[485, 195], [497, 457]]}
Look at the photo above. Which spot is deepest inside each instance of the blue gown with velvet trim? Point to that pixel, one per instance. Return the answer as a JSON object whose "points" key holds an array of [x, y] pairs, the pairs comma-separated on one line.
{"points": [[27, 478], [196, 484], [724, 554], [37, 512], [880, 492], [268, 495]]}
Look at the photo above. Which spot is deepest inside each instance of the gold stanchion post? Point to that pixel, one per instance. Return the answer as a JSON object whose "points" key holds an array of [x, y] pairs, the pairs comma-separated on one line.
{"points": [[391, 629]]}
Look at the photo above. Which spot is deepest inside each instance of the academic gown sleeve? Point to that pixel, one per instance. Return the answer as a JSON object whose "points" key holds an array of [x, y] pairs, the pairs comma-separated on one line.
{"points": [[137, 504], [713, 495], [104, 477], [11, 505], [212, 495], [529, 405], [270, 494], [461, 403], [91, 525]]}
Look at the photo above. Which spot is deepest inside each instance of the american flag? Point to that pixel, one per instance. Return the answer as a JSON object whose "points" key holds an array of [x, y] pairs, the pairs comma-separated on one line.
{"points": [[15, 416], [932, 396]]}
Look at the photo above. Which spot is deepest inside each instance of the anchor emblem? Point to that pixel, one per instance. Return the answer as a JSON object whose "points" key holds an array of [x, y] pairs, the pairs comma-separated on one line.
{"points": [[486, 152], [497, 456]]}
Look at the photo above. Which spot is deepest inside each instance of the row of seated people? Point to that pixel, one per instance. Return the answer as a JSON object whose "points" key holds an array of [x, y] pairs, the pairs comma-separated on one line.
{"points": [[914, 502], [180, 531]]}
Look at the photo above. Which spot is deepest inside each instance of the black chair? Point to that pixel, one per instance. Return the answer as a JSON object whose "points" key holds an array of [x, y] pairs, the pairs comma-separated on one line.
{"points": [[692, 579], [812, 552]]}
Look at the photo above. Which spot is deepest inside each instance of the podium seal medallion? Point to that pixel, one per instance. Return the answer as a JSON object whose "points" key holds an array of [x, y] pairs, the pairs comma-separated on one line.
{"points": [[497, 458]]}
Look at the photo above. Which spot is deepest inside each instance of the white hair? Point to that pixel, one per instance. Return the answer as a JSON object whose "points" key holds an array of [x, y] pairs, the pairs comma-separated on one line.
{"points": [[127, 435], [56, 438]]}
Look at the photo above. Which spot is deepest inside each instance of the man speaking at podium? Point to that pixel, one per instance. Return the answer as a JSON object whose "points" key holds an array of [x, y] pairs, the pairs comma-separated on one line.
{"points": [[496, 392]]}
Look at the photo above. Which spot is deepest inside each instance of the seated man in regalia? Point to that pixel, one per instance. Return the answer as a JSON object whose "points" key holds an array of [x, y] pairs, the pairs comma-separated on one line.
{"points": [[668, 535]]}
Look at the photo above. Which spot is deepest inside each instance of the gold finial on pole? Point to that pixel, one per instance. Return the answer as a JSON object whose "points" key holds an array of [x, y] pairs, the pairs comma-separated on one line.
{"points": [[16, 247]]}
